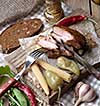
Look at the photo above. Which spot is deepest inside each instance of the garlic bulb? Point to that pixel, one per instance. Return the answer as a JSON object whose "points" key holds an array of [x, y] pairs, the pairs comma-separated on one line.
{"points": [[84, 92], [77, 87]]}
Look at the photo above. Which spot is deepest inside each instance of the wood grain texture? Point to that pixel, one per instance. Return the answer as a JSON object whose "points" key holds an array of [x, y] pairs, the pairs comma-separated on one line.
{"points": [[84, 4], [17, 58], [78, 4], [96, 11]]}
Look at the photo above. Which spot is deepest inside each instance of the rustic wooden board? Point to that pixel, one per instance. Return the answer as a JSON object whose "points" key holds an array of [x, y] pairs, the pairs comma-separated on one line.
{"points": [[84, 4], [17, 58]]}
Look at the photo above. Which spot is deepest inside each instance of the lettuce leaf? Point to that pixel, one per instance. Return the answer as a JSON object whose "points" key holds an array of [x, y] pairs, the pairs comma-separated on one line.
{"points": [[6, 70]]}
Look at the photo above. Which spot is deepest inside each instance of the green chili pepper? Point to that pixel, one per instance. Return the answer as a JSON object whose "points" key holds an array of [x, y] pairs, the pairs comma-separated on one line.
{"points": [[65, 63], [20, 97], [53, 80]]}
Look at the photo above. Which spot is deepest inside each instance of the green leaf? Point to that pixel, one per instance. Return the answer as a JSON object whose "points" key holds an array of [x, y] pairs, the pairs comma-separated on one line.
{"points": [[6, 70], [3, 79]]}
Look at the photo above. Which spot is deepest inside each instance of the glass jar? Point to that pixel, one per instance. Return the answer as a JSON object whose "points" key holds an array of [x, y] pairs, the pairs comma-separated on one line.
{"points": [[53, 12]]}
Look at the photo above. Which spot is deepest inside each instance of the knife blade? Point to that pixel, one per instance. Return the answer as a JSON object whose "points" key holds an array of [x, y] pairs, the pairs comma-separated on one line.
{"points": [[82, 61]]}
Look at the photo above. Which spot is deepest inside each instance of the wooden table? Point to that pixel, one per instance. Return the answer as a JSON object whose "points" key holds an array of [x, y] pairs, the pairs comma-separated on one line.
{"points": [[84, 4]]}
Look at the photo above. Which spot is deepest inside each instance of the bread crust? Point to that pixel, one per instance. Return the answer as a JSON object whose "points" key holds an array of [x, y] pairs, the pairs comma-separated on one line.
{"points": [[22, 29]]}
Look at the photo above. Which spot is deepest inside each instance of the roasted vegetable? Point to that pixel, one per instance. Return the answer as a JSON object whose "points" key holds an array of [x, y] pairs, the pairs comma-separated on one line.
{"points": [[53, 80], [65, 63], [40, 77], [64, 75]]}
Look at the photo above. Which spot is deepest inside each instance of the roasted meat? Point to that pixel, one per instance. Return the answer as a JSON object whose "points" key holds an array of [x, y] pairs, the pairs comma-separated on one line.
{"points": [[46, 42], [69, 36], [49, 43]]}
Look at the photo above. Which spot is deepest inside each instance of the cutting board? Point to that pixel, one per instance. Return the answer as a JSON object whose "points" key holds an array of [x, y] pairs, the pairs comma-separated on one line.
{"points": [[17, 59]]}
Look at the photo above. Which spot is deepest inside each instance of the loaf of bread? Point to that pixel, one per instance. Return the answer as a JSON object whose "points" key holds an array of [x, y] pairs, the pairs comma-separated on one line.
{"points": [[24, 28]]}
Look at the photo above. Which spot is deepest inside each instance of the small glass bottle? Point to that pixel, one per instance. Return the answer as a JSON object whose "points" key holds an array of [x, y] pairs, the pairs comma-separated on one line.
{"points": [[53, 12]]}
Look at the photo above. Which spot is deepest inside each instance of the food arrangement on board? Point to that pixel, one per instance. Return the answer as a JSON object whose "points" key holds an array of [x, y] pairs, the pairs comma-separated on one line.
{"points": [[63, 44]]}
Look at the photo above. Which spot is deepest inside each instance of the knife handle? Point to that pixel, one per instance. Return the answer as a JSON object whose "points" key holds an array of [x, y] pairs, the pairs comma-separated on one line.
{"points": [[6, 86]]}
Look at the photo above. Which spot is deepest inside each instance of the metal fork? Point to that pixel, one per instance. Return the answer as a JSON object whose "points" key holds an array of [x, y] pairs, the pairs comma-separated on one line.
{"points": [[79, 59], [30, 59]]}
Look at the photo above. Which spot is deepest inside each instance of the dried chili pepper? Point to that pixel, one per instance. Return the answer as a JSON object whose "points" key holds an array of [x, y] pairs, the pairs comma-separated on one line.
{"points": [[71, 20], [27, 90]]}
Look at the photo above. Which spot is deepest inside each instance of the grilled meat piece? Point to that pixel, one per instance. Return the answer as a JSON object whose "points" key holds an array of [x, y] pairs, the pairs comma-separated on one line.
{"points": [[70, 37], [54, 51], [46, 42]]}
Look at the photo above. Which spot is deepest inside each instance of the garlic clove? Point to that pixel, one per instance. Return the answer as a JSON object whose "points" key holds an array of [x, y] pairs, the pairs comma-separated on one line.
{"points": [[78, 101], [90, 95], [79, 84], [86, 93], [83, 90]]}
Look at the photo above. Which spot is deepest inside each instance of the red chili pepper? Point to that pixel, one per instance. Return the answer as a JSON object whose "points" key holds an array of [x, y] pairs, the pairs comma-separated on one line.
{"points": [[71, 20], [28, 91]]}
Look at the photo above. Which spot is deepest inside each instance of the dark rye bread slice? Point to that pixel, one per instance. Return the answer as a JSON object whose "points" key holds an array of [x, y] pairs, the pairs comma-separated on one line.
{"points": [[24, 28]]}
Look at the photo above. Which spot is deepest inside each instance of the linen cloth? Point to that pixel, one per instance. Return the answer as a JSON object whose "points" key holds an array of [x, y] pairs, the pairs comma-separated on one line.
{"points": [[14, 9]]}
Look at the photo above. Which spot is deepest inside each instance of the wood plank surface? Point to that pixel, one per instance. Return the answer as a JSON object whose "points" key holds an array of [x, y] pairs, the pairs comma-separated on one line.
{"points": [[17, 58], [84, 4], [96, 11]]}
